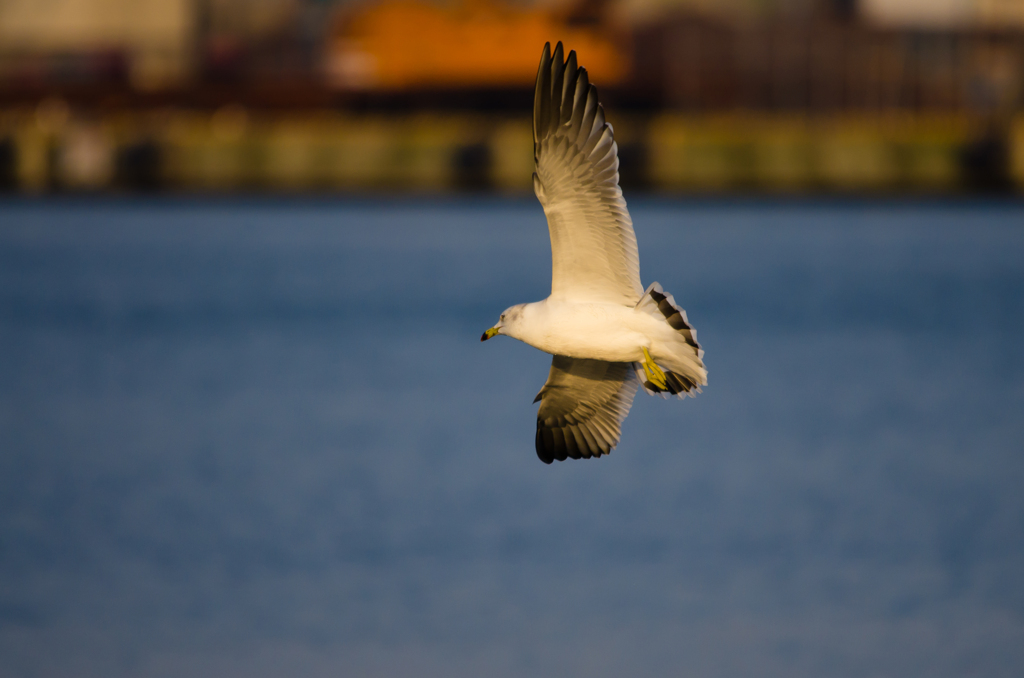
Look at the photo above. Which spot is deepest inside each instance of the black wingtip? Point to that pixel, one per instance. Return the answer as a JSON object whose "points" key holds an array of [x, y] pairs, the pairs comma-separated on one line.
{"points": [[542, 452], [541, 96]]}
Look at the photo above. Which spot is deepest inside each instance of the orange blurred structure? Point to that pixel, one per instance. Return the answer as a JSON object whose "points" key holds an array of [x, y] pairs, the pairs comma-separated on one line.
{"points": [[410, 44]]}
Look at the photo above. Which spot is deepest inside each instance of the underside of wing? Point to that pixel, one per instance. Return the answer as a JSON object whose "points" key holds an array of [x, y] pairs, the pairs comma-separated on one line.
{"points": [[593, 246], [582, 407]]}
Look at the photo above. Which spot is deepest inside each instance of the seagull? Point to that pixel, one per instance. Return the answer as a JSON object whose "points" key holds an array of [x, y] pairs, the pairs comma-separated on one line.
{"points": [[608, 335]]}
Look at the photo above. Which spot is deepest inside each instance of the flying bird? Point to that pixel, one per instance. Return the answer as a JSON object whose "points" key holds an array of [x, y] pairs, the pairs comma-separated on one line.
{"points": [[607, 334]]}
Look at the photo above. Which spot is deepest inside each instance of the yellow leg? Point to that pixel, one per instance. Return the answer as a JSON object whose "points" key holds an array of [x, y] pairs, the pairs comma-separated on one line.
{"points": [[654, 373]]}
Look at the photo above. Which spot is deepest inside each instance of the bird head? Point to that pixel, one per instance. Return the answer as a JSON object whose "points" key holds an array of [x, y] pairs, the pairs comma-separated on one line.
{"points": [[506, 323]]}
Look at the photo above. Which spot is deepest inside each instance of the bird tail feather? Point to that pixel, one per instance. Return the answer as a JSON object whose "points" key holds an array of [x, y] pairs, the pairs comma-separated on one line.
{"points": [[683, 366]]}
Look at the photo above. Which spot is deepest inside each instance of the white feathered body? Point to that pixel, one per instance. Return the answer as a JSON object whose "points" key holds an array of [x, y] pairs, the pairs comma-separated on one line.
{"points": [[597, 331], [603, 331]]}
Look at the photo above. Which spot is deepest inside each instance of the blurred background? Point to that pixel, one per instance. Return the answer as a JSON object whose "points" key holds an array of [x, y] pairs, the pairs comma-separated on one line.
{"points": [[433, 96], [247, 427]]}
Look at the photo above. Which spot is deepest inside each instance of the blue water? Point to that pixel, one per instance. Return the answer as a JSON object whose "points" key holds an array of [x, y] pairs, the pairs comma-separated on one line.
{"points": [[262, 438]]}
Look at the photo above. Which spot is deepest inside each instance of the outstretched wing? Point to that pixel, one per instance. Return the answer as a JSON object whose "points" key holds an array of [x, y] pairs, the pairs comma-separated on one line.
{"points": [[583, 405], [576, 178]]}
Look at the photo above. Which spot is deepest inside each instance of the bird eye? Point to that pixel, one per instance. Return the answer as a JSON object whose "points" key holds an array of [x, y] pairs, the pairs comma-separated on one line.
{"points": [[502, 317]]}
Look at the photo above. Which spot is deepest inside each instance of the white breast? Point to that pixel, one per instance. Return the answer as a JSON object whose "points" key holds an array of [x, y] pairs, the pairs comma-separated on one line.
{"points": [[597, 331]]}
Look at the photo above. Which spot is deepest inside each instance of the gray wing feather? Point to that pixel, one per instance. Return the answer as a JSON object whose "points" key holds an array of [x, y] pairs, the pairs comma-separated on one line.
{"points": [[583, 404], [593, 247]]}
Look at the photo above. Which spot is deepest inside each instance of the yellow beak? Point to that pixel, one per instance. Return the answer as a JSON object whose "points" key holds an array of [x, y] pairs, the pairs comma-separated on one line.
{"points": [[489, 333]]}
